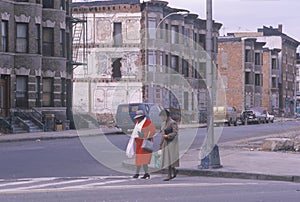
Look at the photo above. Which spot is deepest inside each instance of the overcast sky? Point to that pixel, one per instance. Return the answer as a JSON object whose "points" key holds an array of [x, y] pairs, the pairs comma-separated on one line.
{"points": [[248, 15]]}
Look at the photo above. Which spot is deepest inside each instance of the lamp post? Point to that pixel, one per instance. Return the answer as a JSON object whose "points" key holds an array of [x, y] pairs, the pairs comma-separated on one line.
{"points": [[212, 159], [181, 12]]}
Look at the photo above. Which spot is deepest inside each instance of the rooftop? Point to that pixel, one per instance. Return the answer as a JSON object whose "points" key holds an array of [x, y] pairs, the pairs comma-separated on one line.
{"points": [[105, 2]]}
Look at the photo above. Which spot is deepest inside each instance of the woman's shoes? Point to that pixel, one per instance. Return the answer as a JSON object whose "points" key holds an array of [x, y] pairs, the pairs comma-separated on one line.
{"points": [[136, 176], [146, 176], [175, 173], [168, 179]]}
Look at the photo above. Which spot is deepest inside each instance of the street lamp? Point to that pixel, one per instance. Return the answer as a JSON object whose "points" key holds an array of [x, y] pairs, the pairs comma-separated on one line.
{"points": [[212, 158], [180, 12]]}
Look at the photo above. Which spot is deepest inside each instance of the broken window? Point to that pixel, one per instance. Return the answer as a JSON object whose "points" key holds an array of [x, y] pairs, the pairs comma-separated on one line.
{"points": [[116, 68]]}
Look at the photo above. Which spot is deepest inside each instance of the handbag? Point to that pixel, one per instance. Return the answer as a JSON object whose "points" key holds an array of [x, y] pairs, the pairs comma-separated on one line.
{"points": [[147, 145], [168, 131]]}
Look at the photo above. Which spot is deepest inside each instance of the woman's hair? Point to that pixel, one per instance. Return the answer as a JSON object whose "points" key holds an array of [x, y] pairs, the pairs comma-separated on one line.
{"points": [[164, 112]]}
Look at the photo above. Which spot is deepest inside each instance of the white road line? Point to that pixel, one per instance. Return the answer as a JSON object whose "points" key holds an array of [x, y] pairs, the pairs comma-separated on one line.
{"points": [[91, 188], [46, 185], [64, 183], [25, 181]]}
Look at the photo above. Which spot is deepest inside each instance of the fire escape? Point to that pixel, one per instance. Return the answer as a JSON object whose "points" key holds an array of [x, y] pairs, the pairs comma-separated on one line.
{"points": [[79, 43]]}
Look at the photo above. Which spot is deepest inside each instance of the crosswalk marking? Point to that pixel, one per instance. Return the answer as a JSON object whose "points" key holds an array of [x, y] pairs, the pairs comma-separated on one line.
{"points": [[58, 184], [24, 181], [46, 185], [36, 185]]}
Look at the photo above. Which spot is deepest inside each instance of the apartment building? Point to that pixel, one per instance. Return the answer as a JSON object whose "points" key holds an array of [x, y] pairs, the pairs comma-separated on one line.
{"points": [[278, 68], [298, 81], [138, 52], [241, 69], [34, 55]]}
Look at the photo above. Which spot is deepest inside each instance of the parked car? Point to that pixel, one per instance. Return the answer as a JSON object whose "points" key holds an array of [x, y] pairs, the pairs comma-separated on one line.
{"points": [[225, 115], [126, 112], [252, 116], [270, 117]]}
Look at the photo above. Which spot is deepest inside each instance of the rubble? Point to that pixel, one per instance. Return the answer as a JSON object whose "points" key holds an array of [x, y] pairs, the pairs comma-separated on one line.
{"points": [[278, 144]]}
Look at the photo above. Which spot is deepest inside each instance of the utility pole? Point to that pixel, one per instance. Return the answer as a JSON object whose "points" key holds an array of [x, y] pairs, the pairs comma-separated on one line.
{"points": [[211, 158]]}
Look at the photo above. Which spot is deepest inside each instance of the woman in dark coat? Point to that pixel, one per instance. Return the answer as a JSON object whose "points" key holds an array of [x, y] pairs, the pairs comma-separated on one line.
{"points": [[169, 144], [145, 129]]}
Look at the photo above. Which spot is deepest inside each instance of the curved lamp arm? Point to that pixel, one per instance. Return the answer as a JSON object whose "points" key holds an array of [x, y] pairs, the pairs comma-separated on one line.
{"points": [[174, 13]]}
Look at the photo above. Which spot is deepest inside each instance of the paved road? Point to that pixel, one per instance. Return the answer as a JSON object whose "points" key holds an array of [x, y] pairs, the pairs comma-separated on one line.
{"points": [[68, 157], [123, 188], [62, 170]]}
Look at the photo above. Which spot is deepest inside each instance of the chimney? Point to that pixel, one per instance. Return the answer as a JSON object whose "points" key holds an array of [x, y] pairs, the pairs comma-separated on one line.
{"points": [[280, 27]]}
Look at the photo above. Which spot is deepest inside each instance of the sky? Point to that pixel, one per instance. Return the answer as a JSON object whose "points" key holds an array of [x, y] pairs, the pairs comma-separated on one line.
{"points": [[248, 15]]}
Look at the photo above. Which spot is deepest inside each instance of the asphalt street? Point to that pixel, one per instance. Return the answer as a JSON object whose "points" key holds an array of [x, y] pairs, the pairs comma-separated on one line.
{"points": [[69, 157], [124, 188], [64, 170]]}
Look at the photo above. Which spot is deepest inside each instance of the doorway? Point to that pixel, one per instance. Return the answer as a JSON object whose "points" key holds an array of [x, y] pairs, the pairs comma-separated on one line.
{"points": [[4, 96]]}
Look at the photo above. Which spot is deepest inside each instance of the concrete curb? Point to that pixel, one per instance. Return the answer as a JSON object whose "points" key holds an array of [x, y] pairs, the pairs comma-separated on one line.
{"points": [[238, 175], [49, 137], [57, 135], [224, 174]]}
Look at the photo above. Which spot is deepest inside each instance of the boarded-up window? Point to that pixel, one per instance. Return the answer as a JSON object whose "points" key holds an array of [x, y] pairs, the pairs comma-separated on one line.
{"points": [[224, 60], [151, 28], [117, 34]]}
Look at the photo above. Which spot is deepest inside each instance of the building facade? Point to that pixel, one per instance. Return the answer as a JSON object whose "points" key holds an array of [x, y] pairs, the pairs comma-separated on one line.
{"points": [[278, 68], [34, 54], [132, 47], [298, 82], [241, 69]]}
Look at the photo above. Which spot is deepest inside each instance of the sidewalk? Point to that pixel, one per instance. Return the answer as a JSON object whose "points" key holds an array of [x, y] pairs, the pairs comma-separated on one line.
{"points": [[57, 134], [246, 164], [242, 159]]}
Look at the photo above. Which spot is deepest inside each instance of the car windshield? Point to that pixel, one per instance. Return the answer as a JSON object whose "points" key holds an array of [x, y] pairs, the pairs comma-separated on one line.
{"points": [[248, 112]]}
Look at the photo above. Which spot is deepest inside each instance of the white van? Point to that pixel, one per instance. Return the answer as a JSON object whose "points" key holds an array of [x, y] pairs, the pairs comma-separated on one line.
{"points": [[225, 115]]}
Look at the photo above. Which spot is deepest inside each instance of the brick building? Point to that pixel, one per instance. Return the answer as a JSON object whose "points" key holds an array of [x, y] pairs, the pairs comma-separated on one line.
{"points": [[150, 40], [298, 81], [240, 66], [34, 55], [278, 60]]}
